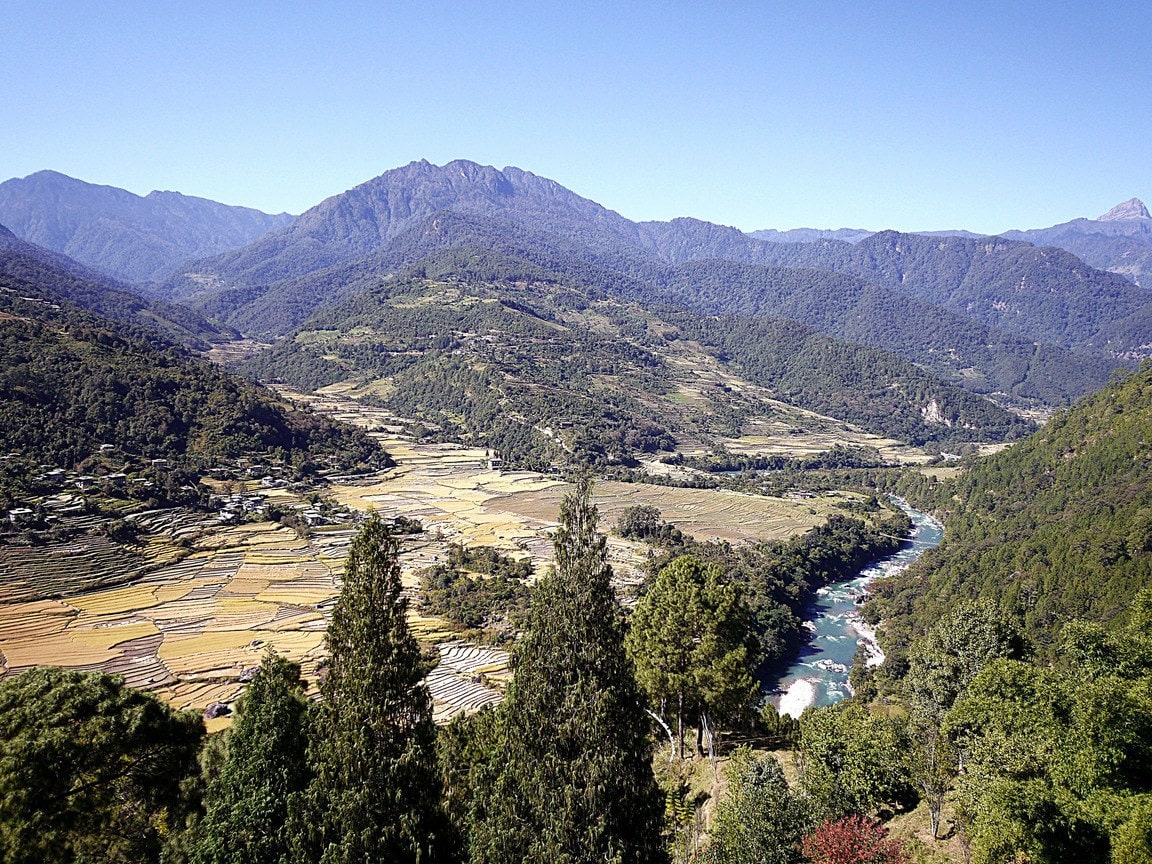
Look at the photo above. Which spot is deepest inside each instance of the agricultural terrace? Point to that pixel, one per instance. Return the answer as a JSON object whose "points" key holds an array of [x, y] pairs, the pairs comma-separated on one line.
{"points": [[192, 627]]}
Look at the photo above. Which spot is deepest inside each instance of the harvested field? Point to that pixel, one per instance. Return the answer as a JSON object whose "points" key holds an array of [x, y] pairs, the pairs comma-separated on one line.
{"points": [[706, 514], [205, 601]]}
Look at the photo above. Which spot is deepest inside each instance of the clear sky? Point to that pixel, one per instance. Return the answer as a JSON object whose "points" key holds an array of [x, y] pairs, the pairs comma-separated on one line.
{"points": [[822, 113]]}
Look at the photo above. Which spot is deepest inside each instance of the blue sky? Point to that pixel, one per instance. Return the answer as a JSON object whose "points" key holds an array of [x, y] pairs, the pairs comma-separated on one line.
{"points": [[909, 115]]}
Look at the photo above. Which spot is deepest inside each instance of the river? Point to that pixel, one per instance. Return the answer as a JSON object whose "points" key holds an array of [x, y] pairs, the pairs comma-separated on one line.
{"points": [[820, 674]]}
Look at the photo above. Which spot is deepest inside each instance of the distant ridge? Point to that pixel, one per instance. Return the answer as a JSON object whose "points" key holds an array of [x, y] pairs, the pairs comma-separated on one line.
{"points": [[1119, 241], [27, 263], [133, 238]]}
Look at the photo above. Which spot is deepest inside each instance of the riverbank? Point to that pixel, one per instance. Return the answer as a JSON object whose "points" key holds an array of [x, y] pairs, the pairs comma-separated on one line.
{"points": [[819, 674]]}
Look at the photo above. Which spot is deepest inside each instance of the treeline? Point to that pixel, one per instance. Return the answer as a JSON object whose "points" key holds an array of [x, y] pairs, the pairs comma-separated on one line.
{"points": [[1055, 528]]}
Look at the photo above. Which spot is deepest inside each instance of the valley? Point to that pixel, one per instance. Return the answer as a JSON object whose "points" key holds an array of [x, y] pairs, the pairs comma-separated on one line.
{"points": [[464, 459], [207, 599]]}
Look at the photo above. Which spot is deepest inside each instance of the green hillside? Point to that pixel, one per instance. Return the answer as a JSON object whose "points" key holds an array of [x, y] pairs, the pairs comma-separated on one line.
{"points": [[72, 381], [1057, 527], [546, 372]]}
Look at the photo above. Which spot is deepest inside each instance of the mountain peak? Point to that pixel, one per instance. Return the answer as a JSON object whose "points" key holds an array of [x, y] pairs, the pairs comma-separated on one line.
{"points": [[1133, 208]]}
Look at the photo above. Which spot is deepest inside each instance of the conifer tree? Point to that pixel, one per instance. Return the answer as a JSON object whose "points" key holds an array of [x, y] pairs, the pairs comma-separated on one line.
{"points": [[375, 793], [573, 780], [246, 804], [689, 640]]}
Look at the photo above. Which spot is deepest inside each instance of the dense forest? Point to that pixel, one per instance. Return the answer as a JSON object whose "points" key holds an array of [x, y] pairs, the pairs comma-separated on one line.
{"points": [[1057, 527], [73, 382]]}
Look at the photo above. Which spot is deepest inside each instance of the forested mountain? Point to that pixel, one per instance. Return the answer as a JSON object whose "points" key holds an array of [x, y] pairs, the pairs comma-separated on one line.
{"points": [[131, 237], [72, 381], [992, 315], [1119, 241], [1057, 527], [1045, 294], [24, 267], [499, 349], [360, 221], [981, 358]]}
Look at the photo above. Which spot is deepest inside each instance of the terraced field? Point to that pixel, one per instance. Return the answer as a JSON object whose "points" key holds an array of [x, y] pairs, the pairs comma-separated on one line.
{"points": [[193, 609]]}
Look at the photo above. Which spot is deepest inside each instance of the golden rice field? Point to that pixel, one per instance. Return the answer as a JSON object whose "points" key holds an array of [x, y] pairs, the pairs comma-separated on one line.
{"points": [[189, 628]]}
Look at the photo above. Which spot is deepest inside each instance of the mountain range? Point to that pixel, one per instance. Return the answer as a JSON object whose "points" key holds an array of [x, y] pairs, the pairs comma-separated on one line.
{"points": [[129, 237], [1030, 326], [1119, 241]]}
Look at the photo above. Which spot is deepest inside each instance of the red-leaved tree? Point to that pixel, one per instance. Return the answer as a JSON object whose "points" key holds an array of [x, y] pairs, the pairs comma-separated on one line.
{"points": [[855, 840]]}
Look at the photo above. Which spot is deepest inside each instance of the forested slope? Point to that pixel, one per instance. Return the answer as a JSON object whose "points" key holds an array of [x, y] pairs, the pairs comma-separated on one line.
{"points": [[25, 267], [1057, 527], [499, 349], [71, 381]]}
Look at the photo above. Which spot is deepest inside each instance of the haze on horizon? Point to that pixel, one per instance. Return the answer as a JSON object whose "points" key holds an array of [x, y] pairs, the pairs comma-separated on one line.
{"points": [[765, 115]]}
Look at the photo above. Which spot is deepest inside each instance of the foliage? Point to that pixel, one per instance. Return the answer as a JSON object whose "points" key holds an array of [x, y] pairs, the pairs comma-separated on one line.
{"points": [[778, 578], [945, 660], [72, 381], [853, 840], [496, 598], [465, 749], [375, 793], [572, 780], [689, 640], [1056, 528], [90, 770], [264, 764], [759, 820], [644, 522], [855, 762], [1058, 762]]}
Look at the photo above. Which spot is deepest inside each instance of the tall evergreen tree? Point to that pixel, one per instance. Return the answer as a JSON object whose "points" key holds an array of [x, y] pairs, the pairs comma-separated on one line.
{"points": [[689, 639], [375, 794], [573, 782], [246, 804], [90, 770]]}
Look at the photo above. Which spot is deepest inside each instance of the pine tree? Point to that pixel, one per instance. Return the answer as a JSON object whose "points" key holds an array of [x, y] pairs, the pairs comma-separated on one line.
{"points": [[375, 794], [246, 804], [573, 782], [689, 641]]}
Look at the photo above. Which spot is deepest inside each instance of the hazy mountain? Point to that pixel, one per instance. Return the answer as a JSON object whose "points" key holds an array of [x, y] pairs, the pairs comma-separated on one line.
{"points": [[1119, 241], [137, 239], [25, 264], [1046, 294]]}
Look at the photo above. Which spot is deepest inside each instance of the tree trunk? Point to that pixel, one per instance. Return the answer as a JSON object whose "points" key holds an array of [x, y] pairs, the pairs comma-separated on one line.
{"points": [[680, 725]]}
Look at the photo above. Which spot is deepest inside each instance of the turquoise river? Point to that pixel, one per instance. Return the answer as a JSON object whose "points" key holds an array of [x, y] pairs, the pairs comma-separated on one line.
{"points": [[820, 674]]}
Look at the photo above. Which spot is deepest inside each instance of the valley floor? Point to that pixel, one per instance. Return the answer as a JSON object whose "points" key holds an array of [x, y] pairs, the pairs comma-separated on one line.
{"points": [[190, 628]]}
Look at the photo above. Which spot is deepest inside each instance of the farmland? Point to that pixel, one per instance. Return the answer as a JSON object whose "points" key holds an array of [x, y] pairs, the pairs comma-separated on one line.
{"points": [[188, 610]]}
